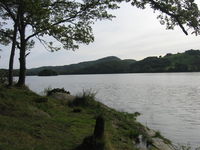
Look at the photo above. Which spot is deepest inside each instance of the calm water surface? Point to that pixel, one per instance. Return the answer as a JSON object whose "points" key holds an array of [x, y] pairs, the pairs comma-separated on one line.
{"points": [[169, 102]]}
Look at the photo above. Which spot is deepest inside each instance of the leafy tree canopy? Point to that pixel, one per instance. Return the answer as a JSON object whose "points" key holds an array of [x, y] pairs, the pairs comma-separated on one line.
{"points": [[67, 21], [183, 13]]}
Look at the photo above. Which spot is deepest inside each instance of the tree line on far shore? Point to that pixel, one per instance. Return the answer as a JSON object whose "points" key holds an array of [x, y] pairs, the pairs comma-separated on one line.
{"points": [[189, 61]]}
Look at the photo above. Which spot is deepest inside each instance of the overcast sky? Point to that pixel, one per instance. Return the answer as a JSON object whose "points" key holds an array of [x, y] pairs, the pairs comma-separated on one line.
{"points": [[133, 34]]}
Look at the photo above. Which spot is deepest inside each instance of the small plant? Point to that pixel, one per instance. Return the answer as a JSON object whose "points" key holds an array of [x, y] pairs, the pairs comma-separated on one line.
{"points": [[45, 92], [133, 134], [183, 147], [187, 147], [3, 76], [149, 141], [158, 134], [136, 114], [87, 98]]}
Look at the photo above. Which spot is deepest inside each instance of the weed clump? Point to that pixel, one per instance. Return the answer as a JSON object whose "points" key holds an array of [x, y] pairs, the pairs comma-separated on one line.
{"points": [[86, 99], [55, 90]]}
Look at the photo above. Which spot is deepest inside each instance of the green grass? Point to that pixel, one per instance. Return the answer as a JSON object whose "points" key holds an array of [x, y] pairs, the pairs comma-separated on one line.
{"points": [[26, 122]]}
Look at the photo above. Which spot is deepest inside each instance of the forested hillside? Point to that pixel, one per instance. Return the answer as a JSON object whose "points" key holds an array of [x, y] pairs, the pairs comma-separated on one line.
{"points": [[109, 64], [180, 62], [189, 61]]}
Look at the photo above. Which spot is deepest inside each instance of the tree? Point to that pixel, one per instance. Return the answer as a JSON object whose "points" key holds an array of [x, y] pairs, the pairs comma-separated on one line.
{"points": [[6, 40], [179, 67], [10, 10], [69, 21]]}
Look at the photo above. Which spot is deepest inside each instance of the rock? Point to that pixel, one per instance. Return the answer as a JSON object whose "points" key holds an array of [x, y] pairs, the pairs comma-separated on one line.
{"points": [[158, 143], [161, 145], [39, 113], [150, 132], [62, 96]]}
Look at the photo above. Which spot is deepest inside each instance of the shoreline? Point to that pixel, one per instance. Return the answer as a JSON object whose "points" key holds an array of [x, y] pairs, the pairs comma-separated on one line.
{"points": [[158, 141], [39, 122]]}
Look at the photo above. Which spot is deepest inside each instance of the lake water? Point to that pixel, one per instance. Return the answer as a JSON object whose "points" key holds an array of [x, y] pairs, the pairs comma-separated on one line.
{"points": [[169, 102]]}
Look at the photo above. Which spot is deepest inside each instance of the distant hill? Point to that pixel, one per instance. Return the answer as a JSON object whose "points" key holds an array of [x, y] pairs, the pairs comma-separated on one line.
{"points": [[109, 64], [189, 61], [47, 72]]}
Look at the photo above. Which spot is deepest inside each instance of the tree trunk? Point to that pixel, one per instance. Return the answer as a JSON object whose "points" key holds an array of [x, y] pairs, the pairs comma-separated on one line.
{"points": [[22, 69], [12, 54], [22, 56]]}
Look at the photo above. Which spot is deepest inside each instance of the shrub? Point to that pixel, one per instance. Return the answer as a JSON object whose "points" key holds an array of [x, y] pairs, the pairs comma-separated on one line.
{"points": [[3, 76], [62, 90], [87, 98]]}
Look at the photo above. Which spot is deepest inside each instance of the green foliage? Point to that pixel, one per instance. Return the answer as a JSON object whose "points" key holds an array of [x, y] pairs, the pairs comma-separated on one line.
{"points": [[47, 72], [68, 22], [46, 90], [185, 147], [150, 64], [182, 147], [3, 76], [55, 90], [181, 67], [105, 65], [174, 13], [180, 62], [84, 99], [158, 134], [133, 134], [27, 124], [47, 17], [188, 61]]}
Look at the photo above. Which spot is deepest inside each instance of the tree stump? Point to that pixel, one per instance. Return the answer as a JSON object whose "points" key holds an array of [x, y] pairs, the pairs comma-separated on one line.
{"points": [[99, 127]]}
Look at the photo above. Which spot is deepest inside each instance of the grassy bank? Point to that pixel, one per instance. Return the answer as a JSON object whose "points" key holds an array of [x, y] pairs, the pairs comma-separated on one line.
{"points": [[30, 121]]}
